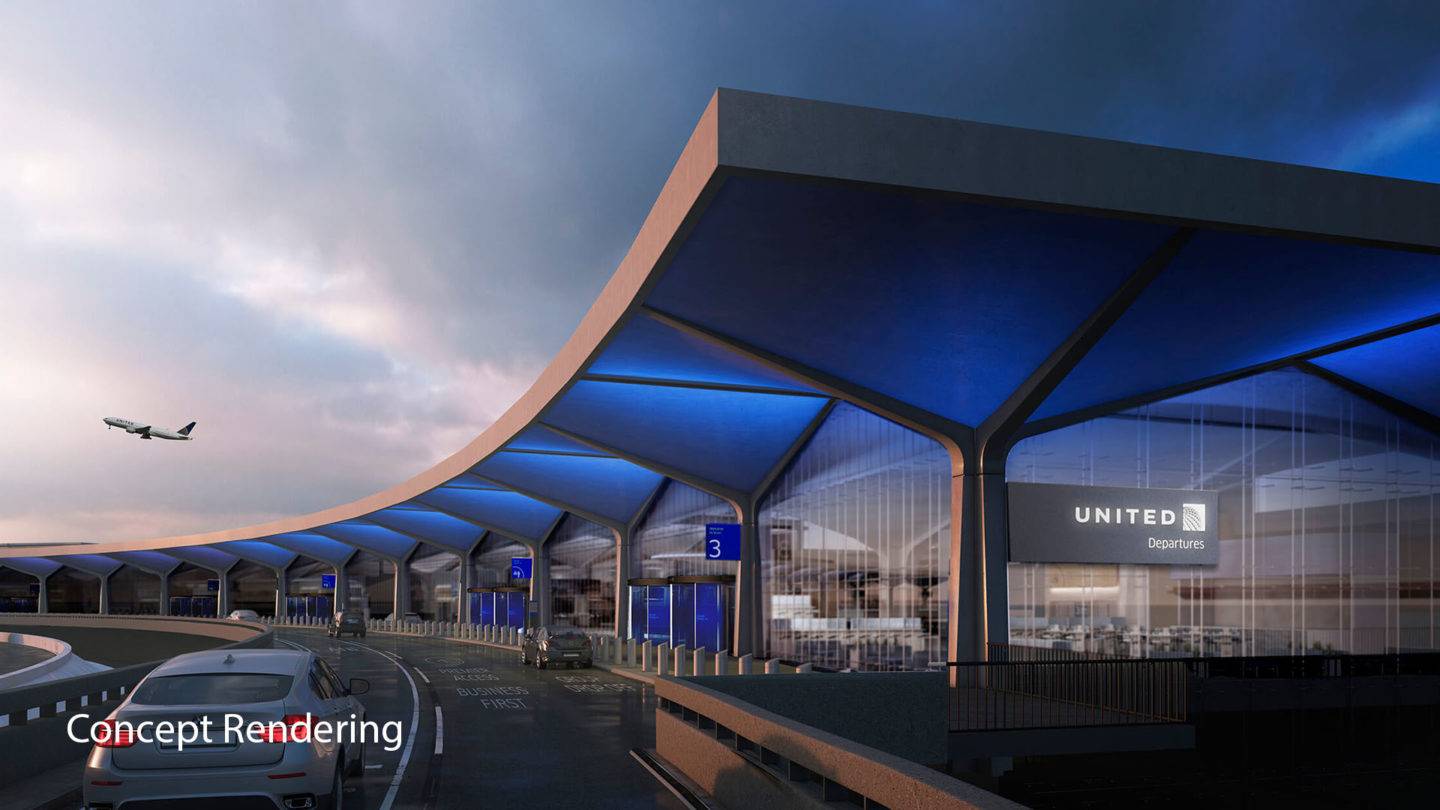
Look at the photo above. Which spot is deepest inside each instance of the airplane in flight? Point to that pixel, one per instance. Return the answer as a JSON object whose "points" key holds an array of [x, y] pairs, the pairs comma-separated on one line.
{"points": [[150, 431]]}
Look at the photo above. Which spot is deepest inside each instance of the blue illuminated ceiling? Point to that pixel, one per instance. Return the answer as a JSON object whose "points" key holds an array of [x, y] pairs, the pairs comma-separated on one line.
{"points": [[34, 566], [369, 536], [1232, 301], [604, 485], [256, 551], [729, 437], [648, 349], [1406, 367], [153, 561], [204, 556], [492, 507], [943, 304], [436, 527], [97, 564], [315, 546]]}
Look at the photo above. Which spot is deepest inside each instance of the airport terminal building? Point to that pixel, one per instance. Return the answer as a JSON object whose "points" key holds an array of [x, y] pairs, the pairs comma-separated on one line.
{"points": [[874, 390]]}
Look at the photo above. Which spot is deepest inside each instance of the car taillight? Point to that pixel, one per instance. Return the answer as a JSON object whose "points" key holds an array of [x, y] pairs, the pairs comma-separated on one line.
{"points": [[111, 734], [291, 728]]}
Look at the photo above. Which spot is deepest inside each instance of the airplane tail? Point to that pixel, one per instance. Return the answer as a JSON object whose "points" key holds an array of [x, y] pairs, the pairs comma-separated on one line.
{"points": [[185, 431]]}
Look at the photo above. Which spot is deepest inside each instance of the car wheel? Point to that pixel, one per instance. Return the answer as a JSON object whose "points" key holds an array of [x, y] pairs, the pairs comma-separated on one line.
{"points": [[337, 789], [357, 768], [539, 662]]}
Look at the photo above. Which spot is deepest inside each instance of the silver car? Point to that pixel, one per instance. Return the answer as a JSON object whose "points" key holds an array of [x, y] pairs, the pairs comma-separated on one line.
{"points": [[276, 687]]}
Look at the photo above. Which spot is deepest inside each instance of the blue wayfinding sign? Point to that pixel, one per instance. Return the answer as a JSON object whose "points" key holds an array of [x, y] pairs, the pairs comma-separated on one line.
{"points": [[327, 580], [212, 584], [520, 568], [722, 541]]}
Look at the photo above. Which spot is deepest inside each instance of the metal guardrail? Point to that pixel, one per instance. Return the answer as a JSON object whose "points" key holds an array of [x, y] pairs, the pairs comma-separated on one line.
{"points": [[49, 698]]}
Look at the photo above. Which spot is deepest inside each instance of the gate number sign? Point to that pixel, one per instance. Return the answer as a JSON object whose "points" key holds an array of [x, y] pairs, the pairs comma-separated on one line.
{"points": [[722, 541]]}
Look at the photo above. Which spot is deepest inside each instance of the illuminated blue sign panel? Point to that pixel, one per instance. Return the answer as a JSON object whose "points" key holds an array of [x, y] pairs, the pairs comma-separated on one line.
{"points": [[520, 567], [722, 541], [327, 580]]}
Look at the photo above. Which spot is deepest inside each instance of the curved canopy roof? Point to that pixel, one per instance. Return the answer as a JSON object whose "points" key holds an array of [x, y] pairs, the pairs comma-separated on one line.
{"points": [[964, 279]]}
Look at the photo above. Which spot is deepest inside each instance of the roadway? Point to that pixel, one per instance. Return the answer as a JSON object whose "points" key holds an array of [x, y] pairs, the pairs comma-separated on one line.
{"points": [[508, 735]]}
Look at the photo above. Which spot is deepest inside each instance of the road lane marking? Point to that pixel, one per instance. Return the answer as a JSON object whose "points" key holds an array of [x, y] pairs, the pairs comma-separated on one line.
{"points": [[439, 730], [421, 673], [414, 720]]}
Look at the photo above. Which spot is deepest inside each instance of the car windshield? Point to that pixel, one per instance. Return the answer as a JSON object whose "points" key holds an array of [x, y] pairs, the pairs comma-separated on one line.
{"points": [[212, 689]]}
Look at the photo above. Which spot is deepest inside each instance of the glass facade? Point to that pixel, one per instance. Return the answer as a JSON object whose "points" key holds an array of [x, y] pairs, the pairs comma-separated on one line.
{"points": [[582, 574], [370, 585], [492, 561], [252, 587], [190, 593], [306, 594], [855, 548], [670, 541], [434, 583], [71, 591], [1328, 526], [19, 592], [134, 592]]}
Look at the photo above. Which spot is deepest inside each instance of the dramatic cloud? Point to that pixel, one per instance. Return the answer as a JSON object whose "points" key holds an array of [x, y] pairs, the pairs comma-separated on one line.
{"points": [[344, 238]]}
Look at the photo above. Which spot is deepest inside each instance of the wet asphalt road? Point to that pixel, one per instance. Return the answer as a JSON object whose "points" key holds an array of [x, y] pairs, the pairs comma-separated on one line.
{"points": [[512, 736]]}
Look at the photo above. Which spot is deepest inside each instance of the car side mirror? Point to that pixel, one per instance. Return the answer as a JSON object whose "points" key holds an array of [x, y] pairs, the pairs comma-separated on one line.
{"points": [[358, 686]]}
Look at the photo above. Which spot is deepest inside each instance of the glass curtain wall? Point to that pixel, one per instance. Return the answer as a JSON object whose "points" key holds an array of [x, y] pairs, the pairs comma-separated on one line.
{"points": [[1328, 521], [670, 541], [370, 580], [134, 592], [582, 574], [306, 594], [855, 548], [19, 592], [492, 561], [72, 591], [190, 593], [434, 583], [252, 587]]}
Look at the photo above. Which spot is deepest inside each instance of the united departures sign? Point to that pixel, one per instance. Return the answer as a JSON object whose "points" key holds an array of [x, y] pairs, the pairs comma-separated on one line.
{"points": [[1058, 523]]}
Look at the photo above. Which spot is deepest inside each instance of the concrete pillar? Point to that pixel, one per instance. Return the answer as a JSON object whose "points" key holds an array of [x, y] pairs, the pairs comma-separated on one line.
{"points": [[747, 583], [402, 585], [105, 594], [222, 596], [622, 584], [540, 582], [164, 594], [462, 610], [282, 591], [42, 600], [339, 599], [745, 664]]}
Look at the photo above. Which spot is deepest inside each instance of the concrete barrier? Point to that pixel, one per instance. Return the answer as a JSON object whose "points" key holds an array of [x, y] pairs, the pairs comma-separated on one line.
{"points": [[645, 656], [677, 662], [35, 739], [772, 666], [745, 664], [745, 755]]}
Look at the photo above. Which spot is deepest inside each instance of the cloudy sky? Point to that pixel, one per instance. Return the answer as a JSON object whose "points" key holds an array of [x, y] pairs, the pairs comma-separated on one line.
{"points": [[345, 237]]}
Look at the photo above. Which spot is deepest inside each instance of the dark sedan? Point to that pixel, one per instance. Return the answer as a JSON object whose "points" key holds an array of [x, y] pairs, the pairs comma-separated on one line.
{"points": [[347, 622], [556, 644]]}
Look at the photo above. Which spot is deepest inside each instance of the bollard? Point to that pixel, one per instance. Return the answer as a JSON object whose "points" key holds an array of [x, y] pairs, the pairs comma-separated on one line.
{"points": [[677, 668], [744, 664], [630, 646], [698, 665], [645, 656], [722, 664], [662, 657], [803, 668], [772, 666]]}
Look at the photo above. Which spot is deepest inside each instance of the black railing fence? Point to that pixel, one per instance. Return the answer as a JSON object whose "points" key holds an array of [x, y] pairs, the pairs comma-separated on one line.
{"points": [[1026, 687]]}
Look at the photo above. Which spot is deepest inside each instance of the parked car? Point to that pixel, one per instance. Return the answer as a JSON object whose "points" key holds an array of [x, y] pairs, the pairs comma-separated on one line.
{"points": [[347, 622], [269, 686], [557, 644], [244, 616]]}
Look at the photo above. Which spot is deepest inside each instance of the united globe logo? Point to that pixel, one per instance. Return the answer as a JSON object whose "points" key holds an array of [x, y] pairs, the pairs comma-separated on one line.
{"points": [[1192, 517]]}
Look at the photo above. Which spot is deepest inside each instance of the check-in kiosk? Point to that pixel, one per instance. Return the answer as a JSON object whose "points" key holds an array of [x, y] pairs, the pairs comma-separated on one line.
{"points": [[502, 605], [309, 606], [696, 611], [197, 606]]}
